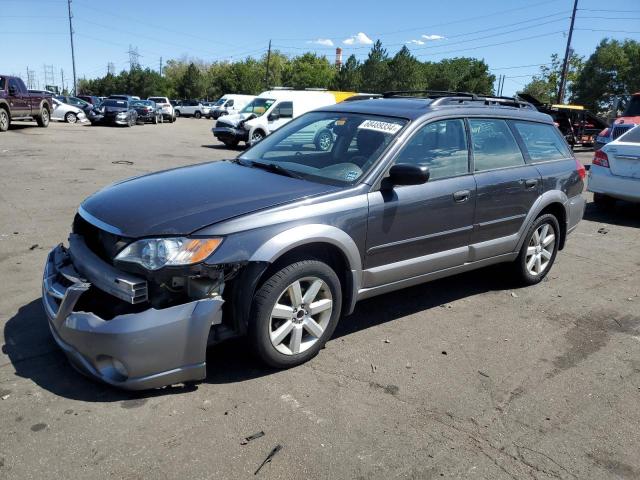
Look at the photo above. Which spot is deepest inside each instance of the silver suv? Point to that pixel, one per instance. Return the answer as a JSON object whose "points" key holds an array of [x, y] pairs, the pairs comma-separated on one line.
{"points": [[281, 242]]}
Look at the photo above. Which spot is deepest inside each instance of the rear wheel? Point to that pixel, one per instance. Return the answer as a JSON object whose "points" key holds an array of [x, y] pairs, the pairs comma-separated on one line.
{"points": [[5, 120], [71, 117], [324, 141], [177, 113], [539, 250], [197, 115], [294, 313], [44, 118]]}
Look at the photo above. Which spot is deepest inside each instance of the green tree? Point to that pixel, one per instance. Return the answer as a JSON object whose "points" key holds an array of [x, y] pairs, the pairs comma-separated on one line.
{"points": [[348, 77], [190, 84], [459, 74], [406, 72], [613, 69], [309, 71], [375, 70], [545, 85]]}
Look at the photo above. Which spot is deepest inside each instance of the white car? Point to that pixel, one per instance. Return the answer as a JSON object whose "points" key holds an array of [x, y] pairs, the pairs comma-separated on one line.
{"points": [[189, 108], [615, 170], [167, 108], [64, 112]]}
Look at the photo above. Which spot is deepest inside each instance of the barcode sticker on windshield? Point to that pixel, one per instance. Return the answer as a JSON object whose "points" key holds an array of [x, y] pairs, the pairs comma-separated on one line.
{"points": [[378, 126]]}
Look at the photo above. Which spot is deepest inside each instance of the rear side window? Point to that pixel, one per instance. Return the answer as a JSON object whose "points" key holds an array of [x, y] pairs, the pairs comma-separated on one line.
{"points": [[441, 146], [543, 142], [493, 145], [632, 136]]}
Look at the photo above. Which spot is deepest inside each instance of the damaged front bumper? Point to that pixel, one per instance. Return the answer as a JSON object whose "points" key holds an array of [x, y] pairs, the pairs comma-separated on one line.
{"points": [[230, 134], [137, 351]]}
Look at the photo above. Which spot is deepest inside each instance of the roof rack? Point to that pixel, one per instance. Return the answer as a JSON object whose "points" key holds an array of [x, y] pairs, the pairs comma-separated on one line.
{"points": [[443, 97]]}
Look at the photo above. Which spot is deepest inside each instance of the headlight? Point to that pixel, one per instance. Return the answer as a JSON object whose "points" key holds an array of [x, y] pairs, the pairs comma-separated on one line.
{"points": [[155, 253]]}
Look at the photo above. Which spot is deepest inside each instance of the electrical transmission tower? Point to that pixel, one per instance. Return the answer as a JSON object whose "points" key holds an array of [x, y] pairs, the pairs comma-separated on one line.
{"points": [[134, 57], [31, 78], [111, 68], [49, 75]]}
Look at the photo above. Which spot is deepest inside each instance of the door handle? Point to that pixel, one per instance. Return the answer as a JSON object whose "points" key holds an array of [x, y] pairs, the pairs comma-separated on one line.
{"points": [[531, 183], [461, 196]]}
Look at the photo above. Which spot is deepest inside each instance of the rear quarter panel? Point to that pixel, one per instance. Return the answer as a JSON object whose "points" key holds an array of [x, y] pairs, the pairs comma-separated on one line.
{"points": [[561, 175]]}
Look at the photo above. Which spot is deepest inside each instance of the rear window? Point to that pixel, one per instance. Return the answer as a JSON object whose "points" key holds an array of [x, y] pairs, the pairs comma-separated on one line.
{"points": [[493, 145], [159, 99], [543, 142], [114, 103], [632, 136]]}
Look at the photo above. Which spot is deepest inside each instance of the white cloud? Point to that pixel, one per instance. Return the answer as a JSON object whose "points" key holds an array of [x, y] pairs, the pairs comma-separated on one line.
{"points": [[433, 37], [415, 42], [326, 42], [358, 39]]}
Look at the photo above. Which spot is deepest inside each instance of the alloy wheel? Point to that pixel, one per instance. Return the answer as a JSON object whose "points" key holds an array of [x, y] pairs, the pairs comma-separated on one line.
{"points": [[4, 120], [540, 249], [300, 315], [71, 117], [45, 117], [256, 137], [324, 141]]}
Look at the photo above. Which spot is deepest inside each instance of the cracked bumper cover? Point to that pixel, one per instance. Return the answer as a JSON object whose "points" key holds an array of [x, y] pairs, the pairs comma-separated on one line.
{"points": [[136, 351]]}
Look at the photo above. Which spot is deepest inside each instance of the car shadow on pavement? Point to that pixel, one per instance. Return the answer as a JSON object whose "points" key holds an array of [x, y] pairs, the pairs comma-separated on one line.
{"points": [[221, 146], [35, 356], [623, 214]]}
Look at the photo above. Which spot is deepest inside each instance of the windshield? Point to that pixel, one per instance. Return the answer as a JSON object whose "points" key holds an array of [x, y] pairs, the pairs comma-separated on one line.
{"points": [[220, 102], [258, 106], [633, 109], [115, 103], [336, 148]]}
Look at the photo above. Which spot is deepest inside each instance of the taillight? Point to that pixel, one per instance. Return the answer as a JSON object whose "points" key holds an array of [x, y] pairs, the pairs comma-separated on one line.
{"points": [[600, 158], [582, 172]]}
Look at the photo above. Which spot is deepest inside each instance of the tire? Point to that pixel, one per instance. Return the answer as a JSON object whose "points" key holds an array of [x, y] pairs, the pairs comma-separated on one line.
{"points": [[256, 136], [155, 120], [530, 266], [197, 115], [177, 114], [173, 119], [324, 140], [44, 118], [284, 342], [604, 201], [5, 120], [231, 143], [71, 117]]}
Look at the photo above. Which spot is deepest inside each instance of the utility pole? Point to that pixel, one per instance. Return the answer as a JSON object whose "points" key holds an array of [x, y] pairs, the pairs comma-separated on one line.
{"points": [[62, 79], [160, 66], [266, 75], [502, 84], [73, 53], [567, 55]]}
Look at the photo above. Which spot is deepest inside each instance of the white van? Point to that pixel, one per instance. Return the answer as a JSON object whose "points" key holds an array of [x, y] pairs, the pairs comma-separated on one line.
{"points": [[269, 111], [229, 104]]}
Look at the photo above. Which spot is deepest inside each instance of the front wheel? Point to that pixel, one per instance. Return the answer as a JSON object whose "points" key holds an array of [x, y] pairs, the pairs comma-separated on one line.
{"points": [[294, 313], [197, 115], [539, 250], [256, 136], [71, 117], [324, 141]]}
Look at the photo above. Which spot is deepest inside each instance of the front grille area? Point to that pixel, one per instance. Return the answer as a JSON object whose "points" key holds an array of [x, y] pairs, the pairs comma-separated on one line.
{"points": [[104, 244], [618, 131]]}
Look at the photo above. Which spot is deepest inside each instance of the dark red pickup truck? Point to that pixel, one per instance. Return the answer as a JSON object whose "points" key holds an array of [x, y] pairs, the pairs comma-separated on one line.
{"points": [[16, 103]]}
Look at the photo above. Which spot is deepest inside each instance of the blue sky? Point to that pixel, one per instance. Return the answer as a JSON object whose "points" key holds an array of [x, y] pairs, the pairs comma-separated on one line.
{"points": [[512, 37]]}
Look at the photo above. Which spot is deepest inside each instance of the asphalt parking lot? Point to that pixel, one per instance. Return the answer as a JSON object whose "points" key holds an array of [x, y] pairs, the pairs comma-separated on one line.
{"points": [[466, 377]]}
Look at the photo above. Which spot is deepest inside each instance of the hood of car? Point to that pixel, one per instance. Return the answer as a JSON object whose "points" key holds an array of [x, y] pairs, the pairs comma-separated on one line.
{"points": [[183, 200], [232, 120]]}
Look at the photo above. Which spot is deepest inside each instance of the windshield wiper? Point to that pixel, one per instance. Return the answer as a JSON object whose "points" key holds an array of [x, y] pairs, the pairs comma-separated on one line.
{"points": [[272, 167]]}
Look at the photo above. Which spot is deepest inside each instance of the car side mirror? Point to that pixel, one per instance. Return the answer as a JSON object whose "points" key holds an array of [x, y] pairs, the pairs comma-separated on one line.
{"points": [[406, 174], [274, 116]]}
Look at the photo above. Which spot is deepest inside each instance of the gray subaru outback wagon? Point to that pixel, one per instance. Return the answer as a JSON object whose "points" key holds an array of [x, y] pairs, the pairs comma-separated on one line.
{"points": [[281, 242]]}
